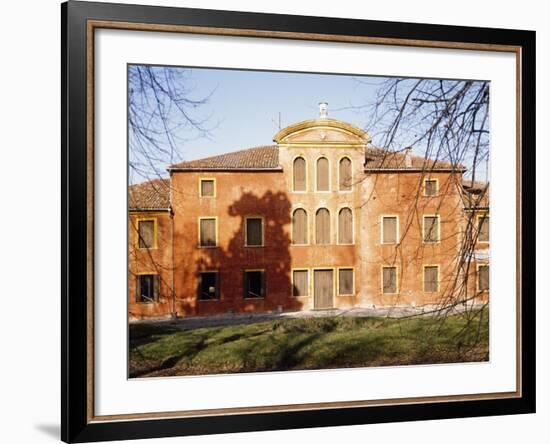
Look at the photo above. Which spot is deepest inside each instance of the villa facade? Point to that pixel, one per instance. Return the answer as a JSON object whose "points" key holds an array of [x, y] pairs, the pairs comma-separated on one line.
{"points": [[320, 219]]}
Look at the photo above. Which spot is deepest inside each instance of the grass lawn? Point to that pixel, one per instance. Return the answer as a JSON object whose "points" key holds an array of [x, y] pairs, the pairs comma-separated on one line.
{"points": [[311, 343]]}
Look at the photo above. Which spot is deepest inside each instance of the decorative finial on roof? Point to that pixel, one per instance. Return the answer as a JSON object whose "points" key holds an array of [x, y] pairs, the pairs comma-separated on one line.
{"points": [[323, 110]]}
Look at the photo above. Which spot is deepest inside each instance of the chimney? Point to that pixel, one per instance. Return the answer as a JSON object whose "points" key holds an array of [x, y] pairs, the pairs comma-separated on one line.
{"points": [[323, 110], [408, 158]]}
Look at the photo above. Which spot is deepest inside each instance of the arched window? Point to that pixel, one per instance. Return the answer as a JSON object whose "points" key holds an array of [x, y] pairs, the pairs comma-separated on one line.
{"points": [[345, 226], [344, 174], [322, 226], [299, 227], [322, 174], [299, 172]]}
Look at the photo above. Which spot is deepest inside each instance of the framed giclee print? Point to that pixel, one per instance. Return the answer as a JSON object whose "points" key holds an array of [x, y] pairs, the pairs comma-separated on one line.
{"points": [[278, 221]]}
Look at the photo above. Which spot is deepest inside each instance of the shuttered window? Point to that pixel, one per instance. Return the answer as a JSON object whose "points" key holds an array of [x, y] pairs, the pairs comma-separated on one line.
{"points": [[207, 188], [254, 232], [300, 283], [322, 226], [345, 226], [431, 278], [389, 280], [389, 229], [146, 229], [483, 278], [147, 288], [299, 172], [254, 284], [299, 227], [322, 174], [207, 236], [208, 286], [345, 174], [431, 229], [345, 281], [430, 187], [483, 228]]}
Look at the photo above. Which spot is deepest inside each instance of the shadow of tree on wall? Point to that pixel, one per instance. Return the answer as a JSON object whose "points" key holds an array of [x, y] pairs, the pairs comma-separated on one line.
{"points": [[232, 258]]}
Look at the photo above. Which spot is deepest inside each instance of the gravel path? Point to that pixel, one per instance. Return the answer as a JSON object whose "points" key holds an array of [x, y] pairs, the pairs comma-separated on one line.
{"points": [[193, 322]]}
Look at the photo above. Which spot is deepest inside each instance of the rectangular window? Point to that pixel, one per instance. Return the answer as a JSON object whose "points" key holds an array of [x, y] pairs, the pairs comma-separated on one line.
{"points": [[389, 230], [431, 229], [431, 278], [254, 284], [207, 235], [345, 281], [254, 236], [389, 279], [300, 283], [483, 277], [147, 288], [208, 188], [208, 286], [146, 229], [431, 187], [483, 228]]}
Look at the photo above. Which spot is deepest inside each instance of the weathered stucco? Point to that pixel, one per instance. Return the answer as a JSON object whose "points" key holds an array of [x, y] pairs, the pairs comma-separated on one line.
{"points": [[269, 194]]}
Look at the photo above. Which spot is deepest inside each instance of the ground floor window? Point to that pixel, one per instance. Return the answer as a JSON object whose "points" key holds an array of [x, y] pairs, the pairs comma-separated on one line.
{"points": [[389, 279], [147, 288], [431, 278], [345, 281], [254, 284], [300, 283], [483, 278], [208, 286]]}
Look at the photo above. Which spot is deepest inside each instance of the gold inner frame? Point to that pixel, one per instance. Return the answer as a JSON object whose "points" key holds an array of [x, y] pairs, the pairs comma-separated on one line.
{"points": [[97, 24]]}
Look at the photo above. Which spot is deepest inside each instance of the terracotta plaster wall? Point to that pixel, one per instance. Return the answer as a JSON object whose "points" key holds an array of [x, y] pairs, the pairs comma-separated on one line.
{"points": [[150, 261], [238, 195], [400, 194]]}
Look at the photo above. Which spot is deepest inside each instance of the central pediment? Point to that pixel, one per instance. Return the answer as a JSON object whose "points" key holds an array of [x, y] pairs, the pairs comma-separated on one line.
{"points": [[323, 130]]}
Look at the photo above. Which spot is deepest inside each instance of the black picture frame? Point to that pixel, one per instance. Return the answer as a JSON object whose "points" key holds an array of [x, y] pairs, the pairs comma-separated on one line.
{"points": [[76, 423]]}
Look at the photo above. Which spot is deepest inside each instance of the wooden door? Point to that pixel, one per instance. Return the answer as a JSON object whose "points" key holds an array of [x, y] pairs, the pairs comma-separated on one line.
{"points": [[323, 289]]}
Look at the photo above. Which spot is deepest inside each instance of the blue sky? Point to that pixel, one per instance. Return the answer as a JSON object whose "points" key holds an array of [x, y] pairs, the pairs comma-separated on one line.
{"points": [[243, 108]]}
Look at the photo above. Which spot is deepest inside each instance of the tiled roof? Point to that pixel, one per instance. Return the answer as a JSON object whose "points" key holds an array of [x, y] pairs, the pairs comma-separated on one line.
{"points": [[476, 195], [380, 159], [151, 195], [257, 158]]}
